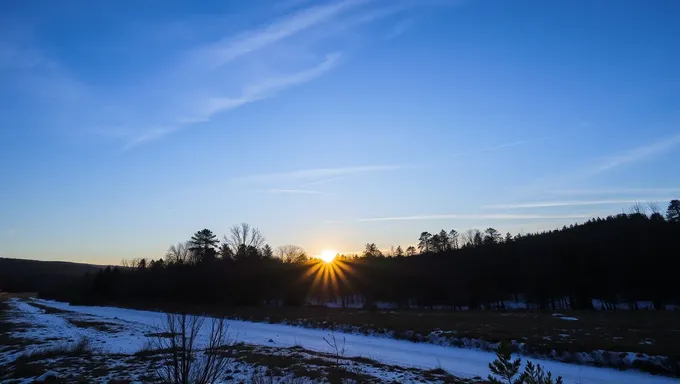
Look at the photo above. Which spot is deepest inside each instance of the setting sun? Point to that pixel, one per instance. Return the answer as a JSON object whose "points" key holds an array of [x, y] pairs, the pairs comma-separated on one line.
{"points": [[328, 255]]}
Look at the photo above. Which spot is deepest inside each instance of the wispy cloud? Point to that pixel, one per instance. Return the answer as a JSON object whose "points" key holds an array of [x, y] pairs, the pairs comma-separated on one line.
{"points": [[233, 47], [634, 155], [191, 81], [400, 28], [574, 203], [558, 181], [279, 191], [612, 191], [480, 217], [253, 92], [493, 147], [315, 173], [319, 182]]}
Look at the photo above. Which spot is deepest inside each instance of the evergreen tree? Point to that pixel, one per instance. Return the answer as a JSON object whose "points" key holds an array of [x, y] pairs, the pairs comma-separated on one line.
{"points": [[203, 244], [267, 252], [424, 242], [673, 211], [491, 236], [503, 367]]}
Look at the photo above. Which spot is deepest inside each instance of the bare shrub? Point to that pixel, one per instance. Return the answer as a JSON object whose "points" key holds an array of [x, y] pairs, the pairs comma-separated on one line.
{"points": [[337, 345], [187, 364], [83, 347]]}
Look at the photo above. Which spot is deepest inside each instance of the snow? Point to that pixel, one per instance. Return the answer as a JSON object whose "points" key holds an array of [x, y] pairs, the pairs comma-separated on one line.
{"points": [[133, 325]]}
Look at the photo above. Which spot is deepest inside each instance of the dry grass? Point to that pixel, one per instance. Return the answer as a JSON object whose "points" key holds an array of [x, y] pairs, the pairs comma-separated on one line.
{"points": [[98, 325], [647, 332], [320, 366], [49, 310]]}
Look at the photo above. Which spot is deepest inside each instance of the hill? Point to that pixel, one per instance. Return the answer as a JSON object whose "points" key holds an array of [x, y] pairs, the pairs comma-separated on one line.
{"points": [[19, 275]]}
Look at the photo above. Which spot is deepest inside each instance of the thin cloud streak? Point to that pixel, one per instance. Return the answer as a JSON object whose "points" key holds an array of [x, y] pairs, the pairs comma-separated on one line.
{"points": [[569, 178], [613, 191], [400, 28], [319, 182], [478, 217], [493, 148], [251, 93], [316, 173], [573, 203], [232, 48], [297, 191], [635, 155]]}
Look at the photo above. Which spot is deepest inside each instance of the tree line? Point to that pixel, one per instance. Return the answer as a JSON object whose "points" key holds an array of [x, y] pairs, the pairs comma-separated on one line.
{"points": [[620, 258]]}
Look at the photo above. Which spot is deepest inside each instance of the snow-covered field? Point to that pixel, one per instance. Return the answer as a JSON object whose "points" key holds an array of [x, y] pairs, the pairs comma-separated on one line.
{"points": [[120, 333]]}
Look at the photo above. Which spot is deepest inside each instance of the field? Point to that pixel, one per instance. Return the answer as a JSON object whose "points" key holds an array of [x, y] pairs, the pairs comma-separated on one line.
{"points": [[105, 344], [644, 340]]}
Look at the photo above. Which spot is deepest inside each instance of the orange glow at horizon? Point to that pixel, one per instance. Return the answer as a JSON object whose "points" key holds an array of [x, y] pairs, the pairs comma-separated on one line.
{"points": [[328, 255], [330, 276]]}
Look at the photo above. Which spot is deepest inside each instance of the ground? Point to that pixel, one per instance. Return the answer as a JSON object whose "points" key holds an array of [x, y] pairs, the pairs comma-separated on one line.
{"points": [[44, 343], [644, 340], [110, 345]]}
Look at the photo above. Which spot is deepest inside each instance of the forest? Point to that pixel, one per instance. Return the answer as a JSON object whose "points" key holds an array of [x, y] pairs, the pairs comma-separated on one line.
{"points": [[624, 258]]}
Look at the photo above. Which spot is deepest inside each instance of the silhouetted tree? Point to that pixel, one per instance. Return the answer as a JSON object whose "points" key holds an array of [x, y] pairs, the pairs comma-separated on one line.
{"points": [[398, 252], [372, 250], [178, 254], [267, 252], [453, 239], [244, 235], [225, 252], [673, 211], [491, 236], [202, 245], [410, 250], [291, 254], [424, 242], [621, 258]]}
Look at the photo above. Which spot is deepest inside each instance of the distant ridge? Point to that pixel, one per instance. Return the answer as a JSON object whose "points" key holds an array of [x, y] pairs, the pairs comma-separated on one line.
{"points": [[23, 275]]}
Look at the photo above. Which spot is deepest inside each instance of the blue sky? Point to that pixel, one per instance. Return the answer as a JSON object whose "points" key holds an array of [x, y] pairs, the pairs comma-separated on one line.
{"points": [[127, 126]]}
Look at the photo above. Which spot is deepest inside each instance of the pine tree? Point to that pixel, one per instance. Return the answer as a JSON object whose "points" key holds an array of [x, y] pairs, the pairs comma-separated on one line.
{"points": [[534, 374], [203, 244], [504, 367], [673, 211], [267, 252]]}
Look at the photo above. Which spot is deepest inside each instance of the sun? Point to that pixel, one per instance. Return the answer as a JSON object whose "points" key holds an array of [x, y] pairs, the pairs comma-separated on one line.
{"points": [[328, 255]]}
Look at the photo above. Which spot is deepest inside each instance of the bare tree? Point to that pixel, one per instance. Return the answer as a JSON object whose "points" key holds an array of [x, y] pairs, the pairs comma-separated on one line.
{"points": [[244, 236], [654, 208], [291, 253], [337, 345], [453, 239], [179, 254], [638, 209], [469, 237], [188, 364]]}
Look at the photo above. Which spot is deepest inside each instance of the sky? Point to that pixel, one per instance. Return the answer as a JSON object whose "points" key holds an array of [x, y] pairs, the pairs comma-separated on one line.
{"points": [[127, 126]]}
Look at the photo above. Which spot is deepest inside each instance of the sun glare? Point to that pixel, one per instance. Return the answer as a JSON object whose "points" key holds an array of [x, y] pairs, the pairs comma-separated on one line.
{"points": [[328, 255]]}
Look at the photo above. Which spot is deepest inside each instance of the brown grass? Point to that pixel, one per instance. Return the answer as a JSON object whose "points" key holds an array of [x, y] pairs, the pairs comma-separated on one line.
{"points": [[49, 310], [98, 325], [655, 333], [318, 365], [648, 332]]}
